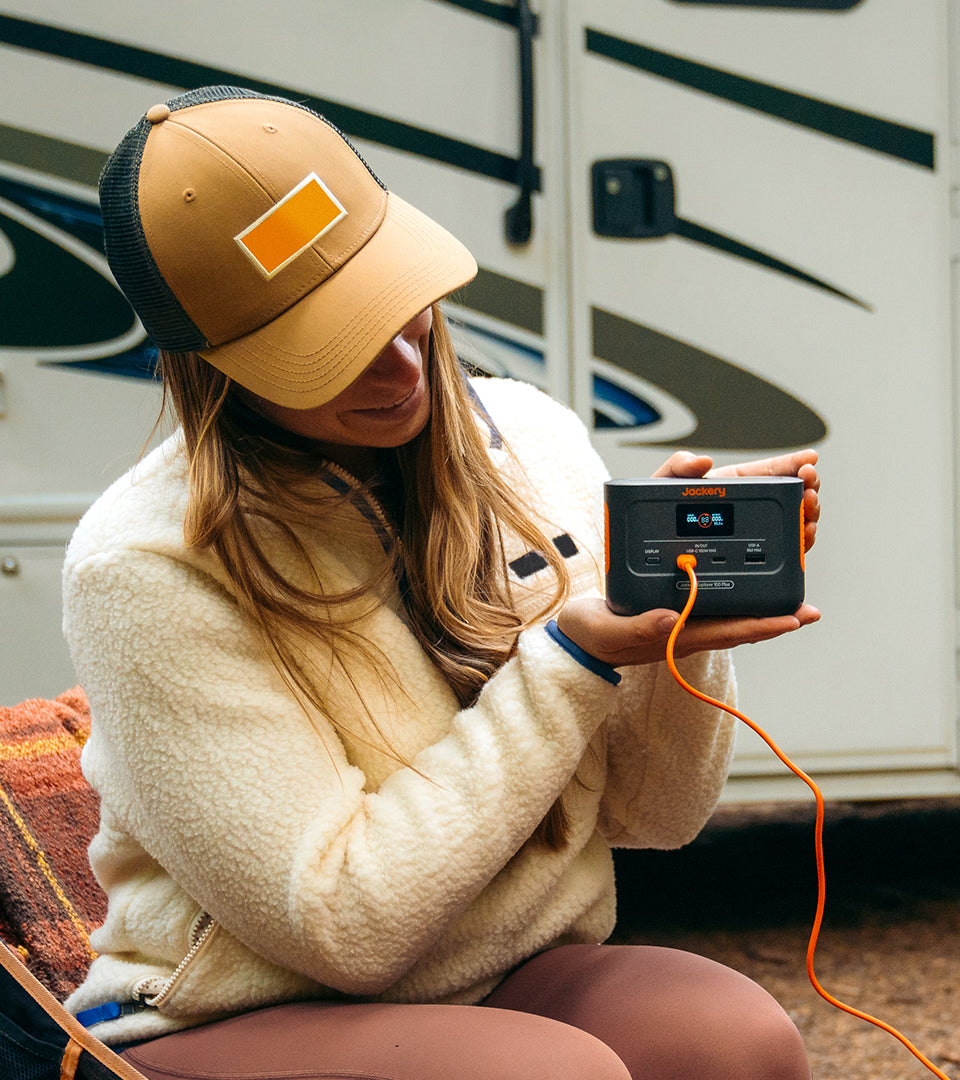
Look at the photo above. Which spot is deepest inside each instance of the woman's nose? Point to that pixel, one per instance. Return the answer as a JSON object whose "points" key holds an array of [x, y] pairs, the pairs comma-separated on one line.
{"points": [[396, 359]]}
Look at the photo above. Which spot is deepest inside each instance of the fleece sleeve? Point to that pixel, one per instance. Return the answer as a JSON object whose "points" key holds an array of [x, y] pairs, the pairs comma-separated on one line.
{"points": [[254, 808], [667, 753]]}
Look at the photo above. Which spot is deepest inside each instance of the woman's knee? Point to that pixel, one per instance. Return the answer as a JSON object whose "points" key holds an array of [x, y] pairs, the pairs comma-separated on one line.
{"points": [[668, 1014], [774, 1045], [732, 1028]]}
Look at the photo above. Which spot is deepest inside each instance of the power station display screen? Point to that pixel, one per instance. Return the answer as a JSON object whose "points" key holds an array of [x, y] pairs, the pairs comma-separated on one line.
{"points": [[705, 519]]}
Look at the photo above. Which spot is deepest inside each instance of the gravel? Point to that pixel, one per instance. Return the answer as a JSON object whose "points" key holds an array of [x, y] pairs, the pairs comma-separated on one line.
{"points": [[744, 893]]}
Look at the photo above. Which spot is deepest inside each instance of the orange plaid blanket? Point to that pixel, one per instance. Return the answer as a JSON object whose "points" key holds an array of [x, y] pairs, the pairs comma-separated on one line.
{"points": [[49, 900]]}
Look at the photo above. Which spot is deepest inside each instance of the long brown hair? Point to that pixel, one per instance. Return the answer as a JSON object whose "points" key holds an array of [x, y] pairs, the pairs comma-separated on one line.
{"points": [[448, 549]]}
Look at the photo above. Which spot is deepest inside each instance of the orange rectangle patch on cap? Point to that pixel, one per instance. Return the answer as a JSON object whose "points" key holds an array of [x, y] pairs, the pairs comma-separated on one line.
{"points": [[298, 220]]}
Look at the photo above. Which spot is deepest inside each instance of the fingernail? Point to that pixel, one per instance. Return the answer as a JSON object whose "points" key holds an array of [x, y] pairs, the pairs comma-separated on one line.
{"points": [[667, 623]]}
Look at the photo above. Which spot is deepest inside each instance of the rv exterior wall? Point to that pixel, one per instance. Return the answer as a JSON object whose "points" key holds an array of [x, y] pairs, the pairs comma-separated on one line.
{"points": [[805, 293]]}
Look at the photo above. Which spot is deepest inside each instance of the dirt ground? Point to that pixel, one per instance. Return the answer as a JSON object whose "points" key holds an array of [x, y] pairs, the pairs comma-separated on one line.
{"points": [[744, 893]]}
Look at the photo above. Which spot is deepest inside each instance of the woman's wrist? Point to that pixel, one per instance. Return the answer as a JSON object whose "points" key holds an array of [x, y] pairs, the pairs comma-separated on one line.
{"points": [[598, 667]]}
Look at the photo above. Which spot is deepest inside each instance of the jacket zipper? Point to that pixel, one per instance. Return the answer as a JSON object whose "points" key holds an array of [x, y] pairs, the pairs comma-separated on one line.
{"points": [[153, 991]]}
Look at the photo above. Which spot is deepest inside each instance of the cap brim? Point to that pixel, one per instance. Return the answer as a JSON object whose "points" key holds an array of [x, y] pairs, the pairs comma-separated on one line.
{"points": [[305, 357]]}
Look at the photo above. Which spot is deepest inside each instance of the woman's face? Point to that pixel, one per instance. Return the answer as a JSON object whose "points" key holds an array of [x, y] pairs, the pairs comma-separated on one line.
{"points": [[387, 405]]}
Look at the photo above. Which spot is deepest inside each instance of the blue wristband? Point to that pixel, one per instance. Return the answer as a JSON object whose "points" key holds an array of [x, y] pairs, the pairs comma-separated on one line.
{"points": [[591, 663]]}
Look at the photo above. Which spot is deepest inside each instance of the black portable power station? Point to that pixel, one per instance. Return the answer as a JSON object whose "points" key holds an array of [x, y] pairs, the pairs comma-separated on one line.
{"points": [[745, 532]]}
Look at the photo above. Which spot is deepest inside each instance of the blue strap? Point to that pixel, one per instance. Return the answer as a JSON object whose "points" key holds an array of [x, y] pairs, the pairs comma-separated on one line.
{"points": [[598, 667], [110, 1010]]}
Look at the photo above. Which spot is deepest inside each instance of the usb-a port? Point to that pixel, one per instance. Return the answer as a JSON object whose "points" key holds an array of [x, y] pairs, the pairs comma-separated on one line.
{"points": [[754, 557]]}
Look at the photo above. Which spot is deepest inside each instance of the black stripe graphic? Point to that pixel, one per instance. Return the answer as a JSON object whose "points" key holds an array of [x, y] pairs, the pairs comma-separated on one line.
{"points": [[490, 10], [533, 561], [187, 74], [700, 234], [872, 132]]}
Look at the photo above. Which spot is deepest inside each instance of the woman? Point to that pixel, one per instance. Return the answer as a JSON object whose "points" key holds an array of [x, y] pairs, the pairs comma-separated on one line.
{"points": [[358, 787]]}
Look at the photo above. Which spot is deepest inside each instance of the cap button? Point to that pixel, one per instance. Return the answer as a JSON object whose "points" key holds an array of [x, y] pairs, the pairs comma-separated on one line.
{"points": [[156, 114]]}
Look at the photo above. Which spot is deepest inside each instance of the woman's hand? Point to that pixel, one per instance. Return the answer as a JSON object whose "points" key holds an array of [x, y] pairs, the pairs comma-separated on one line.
{"points": [[801, 463], [621, 640]]}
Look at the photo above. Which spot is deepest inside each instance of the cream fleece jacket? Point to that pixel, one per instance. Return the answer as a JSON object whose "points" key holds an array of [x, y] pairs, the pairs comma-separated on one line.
{"points": [[252, 856]]}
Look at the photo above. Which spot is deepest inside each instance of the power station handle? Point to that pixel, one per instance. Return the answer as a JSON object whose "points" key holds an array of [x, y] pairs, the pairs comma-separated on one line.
{"points": [[518, 219]]}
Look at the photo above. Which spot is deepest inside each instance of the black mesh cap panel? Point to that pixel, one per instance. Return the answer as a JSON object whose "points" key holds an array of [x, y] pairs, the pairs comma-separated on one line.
{"points": [[127, 250]]}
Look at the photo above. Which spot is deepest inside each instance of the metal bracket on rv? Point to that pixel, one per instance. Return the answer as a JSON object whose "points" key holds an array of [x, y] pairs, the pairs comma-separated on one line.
{"points": [[633, 198]]}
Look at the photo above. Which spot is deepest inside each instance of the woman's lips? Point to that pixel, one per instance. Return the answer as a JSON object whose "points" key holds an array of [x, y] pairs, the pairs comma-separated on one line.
{"points": [[410, 401]]}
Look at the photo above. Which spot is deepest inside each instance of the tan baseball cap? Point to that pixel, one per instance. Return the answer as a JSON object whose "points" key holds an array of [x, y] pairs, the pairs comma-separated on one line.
{"points": [[248, 229]]}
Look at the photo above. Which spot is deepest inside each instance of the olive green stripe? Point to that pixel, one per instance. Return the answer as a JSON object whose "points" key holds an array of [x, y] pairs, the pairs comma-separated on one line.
{"points": [[505, 298], [735, 409], [51, 156]]}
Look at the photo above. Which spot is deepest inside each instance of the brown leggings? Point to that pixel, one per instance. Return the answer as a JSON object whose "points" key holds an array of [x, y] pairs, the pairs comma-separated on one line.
{"points": [[579, 1012]]}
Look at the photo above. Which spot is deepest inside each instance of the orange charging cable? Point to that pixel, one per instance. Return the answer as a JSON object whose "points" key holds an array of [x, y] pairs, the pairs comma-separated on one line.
{"points": [[687, 563]]}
